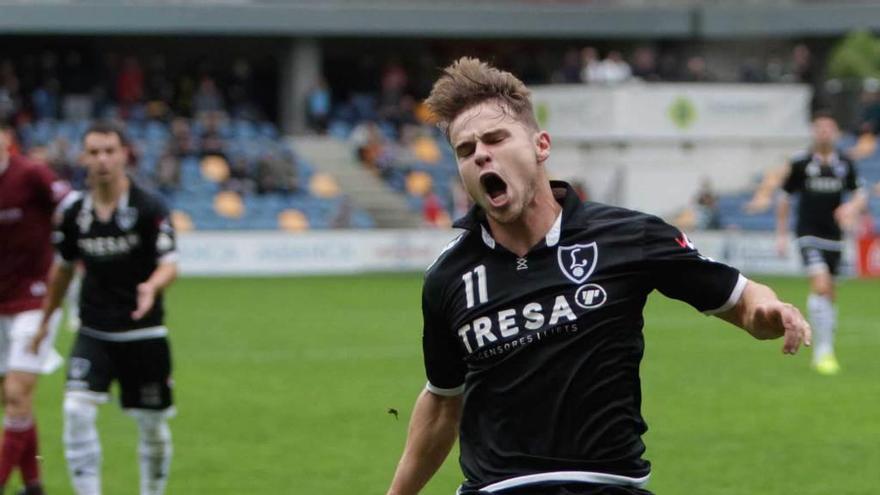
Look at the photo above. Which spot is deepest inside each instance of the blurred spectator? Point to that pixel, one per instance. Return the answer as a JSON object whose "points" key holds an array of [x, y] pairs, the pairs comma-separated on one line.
{"points": [[614, 68], [182, 143], [774, 71], [240, 179], [591, 71], [393, 84], [129, 85], [211, 142], [369, 143], [570, 72], [802, 69], [168, 173], [708, 214], [276, 174], [870, 118], [696, 70], [645, 64], [669, 68], [344, 215], [46, 100], [241, 92], [318, 106], [160, 91], [751, 71], [207, 98], [433, 212]]}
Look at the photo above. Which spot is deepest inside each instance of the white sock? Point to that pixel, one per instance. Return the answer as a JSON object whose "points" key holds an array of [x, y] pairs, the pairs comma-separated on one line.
{"points": [[81, 445], [154, 450], [823, 319]]}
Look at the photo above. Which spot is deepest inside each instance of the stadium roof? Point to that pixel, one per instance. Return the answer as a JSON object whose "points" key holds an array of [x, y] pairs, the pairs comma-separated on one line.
{"points": [[441, 18]]}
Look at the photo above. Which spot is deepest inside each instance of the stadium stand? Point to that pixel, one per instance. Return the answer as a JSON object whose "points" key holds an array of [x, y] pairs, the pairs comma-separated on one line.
{"points": [[204, 196]]}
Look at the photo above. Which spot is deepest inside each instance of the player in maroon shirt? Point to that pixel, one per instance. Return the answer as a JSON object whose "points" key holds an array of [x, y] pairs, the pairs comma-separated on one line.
{"points": [[29, 194]]}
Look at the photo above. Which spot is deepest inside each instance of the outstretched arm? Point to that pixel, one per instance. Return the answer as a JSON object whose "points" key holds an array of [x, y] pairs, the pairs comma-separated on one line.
{"points": [[60, 276], [432, 432], [764, 316], [161, 278], [782, 208], [848, 213]]}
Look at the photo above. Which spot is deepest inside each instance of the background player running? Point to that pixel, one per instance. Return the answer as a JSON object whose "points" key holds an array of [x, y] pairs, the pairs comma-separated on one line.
{"points": [[820, 177]]}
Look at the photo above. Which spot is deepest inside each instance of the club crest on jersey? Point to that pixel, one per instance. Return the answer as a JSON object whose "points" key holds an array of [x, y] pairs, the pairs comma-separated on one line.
{"points": [[126, 217], [84, 220], [590, 296], [577, 262]]}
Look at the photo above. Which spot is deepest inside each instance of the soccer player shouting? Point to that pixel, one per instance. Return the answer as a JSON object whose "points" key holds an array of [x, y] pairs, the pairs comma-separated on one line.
{"points": [[123, 237], [533, 316], [29, 193]]}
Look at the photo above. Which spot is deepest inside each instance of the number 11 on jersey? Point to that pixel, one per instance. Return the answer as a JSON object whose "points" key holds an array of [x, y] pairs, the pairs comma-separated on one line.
{"points": [[482, 292]]}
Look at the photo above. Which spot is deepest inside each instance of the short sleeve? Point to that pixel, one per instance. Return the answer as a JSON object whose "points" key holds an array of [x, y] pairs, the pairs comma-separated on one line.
{"points": [[852, 178], [64, 237], [444, 364], [794, 182], [51, 190], [160, 233], [679, 271]]}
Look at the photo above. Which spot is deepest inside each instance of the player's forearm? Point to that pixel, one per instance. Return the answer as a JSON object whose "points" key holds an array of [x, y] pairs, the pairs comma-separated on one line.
{"points": [[60, 276], [859, 200], [782, 210], [748, 313], [163, 276], [432, 432]]}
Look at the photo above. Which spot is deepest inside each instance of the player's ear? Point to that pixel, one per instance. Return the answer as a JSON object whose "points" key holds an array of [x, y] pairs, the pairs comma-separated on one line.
{"points": [[542, 146]]}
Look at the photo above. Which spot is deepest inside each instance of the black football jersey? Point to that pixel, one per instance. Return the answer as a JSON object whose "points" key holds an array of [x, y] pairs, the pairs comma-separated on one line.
{"points": [[821, 187], [546, 347], [118, 255]]}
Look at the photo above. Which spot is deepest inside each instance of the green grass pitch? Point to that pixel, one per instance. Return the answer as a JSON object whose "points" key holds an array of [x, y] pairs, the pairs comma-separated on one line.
{"points": [[283, 387]]}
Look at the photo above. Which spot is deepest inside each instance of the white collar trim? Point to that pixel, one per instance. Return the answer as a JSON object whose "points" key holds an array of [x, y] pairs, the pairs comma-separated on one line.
{"points": [[552, 237], [122, 202], [487, 237], [555, 231]]}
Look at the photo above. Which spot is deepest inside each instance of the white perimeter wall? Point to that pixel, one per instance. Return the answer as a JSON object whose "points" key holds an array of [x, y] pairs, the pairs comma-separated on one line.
{"points": [[359, 251], [649, 146]]}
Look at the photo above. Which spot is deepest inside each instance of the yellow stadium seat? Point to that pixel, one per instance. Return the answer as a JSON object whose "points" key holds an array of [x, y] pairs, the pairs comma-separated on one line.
{"points": [[215, 168], [228, 204], [181, 221], [419, 183], [426, 150], [293, 221], [323, 185]]}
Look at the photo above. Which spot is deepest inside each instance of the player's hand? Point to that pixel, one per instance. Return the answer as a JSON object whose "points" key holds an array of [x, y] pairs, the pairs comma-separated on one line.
{"points": [[777, 318], [42, 331], [782, 245], [845, 215], [146, 296]]}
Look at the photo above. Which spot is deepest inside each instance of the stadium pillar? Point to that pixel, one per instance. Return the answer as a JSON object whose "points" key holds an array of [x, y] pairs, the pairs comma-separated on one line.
{"points": [[300, 70]]}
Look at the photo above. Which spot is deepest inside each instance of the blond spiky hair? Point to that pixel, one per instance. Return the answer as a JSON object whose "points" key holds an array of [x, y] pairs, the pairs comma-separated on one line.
{"points": [[468, 82]]}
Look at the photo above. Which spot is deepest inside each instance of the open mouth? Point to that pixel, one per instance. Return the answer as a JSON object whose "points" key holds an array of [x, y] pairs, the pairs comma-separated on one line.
{"points": [[495, 187]]}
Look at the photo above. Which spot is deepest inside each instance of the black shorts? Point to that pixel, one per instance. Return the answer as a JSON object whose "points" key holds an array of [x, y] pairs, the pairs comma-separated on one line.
{"points": [[142, 367], [816, 260]]}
